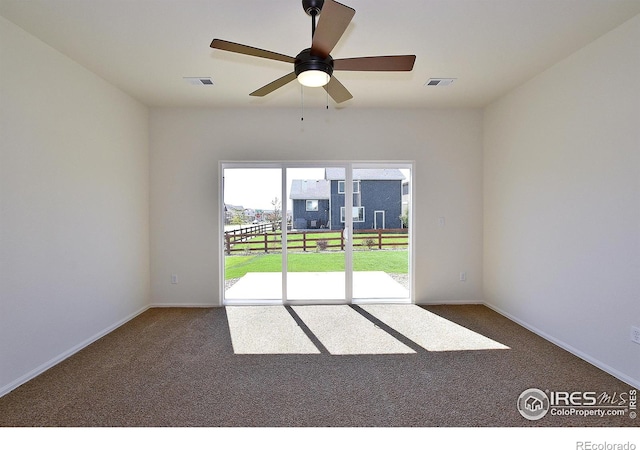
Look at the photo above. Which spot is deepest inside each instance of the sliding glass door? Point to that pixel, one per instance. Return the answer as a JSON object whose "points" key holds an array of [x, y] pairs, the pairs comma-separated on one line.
{"points": [[381, 234], [252, 217], [315, 255], [300, 233]]}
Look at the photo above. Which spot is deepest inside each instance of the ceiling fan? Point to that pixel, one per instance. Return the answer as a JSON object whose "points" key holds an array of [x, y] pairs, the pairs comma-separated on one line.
{"points": [[314, 66]]}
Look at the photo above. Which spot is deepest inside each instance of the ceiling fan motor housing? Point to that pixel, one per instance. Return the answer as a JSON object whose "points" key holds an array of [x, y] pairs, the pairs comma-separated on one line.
{"points": [[312, 7], [306, 61]]}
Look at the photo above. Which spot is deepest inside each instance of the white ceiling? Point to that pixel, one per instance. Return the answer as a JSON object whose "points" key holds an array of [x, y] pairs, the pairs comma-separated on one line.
{"points": [[146, 47]]}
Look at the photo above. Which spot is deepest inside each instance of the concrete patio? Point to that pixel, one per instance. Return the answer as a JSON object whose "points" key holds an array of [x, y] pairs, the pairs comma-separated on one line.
{"points": [[316, 286]]}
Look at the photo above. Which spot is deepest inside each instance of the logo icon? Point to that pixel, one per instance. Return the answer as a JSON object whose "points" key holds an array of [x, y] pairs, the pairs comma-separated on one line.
{"points": [[533, 404]]}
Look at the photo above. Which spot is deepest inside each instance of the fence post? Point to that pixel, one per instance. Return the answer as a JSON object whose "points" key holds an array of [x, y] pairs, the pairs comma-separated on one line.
{"points": [[379, 239], [227, 239], [342, 240], [304, 241], [266, 241]]}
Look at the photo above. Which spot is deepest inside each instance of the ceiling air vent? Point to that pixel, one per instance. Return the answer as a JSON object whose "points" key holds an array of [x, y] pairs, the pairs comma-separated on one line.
{"points": [[440, 81], [199, 81]]}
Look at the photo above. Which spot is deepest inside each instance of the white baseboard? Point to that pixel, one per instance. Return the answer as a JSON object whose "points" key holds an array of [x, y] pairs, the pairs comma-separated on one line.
{"points": [[599, 364], [452, 302], [61, 357], [183, 305]]}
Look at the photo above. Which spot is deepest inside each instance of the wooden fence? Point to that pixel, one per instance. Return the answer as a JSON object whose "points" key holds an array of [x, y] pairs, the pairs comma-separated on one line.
{"points": [[242, 233], [261, 238]]}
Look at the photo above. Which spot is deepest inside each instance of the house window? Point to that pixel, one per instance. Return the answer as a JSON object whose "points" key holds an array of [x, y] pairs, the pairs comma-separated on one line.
{"points": [[358, 214], [356, 187], [312, 205]]}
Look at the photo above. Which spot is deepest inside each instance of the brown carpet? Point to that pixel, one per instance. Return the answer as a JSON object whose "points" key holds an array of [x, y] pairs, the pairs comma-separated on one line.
{"points": [[176, 368]]}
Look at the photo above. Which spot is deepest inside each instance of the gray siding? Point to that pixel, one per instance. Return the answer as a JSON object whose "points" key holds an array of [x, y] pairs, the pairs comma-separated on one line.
{"points": [[303, 218], [375, 195]]}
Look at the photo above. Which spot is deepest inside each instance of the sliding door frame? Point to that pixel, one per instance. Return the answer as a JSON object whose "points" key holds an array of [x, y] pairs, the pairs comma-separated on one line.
{"points": [[348, 167]]}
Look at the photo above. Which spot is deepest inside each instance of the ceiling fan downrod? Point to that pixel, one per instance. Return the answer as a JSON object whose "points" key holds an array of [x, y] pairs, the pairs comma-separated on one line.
{"points": [[312, 8]]}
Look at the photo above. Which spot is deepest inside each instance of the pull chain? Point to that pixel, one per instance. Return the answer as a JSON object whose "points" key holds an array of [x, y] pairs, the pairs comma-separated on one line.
{"points": [[313, 14]]}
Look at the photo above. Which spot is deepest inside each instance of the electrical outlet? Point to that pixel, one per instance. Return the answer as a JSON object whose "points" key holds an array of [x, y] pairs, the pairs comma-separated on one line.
{"points": [[463, 276], [174, 279], [635, 335]]}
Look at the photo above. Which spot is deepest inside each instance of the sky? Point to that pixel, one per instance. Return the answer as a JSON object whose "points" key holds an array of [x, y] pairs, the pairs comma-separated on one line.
{"points": [[257, 188]]}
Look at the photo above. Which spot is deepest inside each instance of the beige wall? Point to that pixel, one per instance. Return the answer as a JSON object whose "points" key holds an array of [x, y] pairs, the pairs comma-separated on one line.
{"points": [[187, 145], [562, 202], [74, 242]]}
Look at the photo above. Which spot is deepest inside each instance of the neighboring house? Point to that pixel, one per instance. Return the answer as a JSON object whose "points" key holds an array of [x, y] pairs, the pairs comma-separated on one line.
{"points": [[230, 211], [310, 203], [377, 200], [250, 214]]}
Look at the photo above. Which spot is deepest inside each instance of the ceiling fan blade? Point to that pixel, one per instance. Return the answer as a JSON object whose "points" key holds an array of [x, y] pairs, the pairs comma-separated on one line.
{"points": [[334, 20], [401, 63], [337, 91], [251, 51], [264, 90]]}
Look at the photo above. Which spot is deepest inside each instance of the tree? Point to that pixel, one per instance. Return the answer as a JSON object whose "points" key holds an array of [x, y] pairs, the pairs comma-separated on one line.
{"points": [[238, 217], [276, 216], [404, 218]]}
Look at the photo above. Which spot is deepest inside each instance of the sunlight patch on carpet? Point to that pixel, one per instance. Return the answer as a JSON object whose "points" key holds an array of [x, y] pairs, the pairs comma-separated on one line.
{"points": [[345, 332], [266, 330], [430, 331]]}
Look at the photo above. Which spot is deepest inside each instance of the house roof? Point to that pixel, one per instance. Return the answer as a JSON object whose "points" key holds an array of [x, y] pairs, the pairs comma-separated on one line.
{"points": [[310, 189], [365, 174]]}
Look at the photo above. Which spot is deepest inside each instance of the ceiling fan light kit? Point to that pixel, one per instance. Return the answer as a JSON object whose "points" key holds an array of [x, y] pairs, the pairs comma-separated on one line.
{"points": [[314, 66], [311, 70], [313, 78]]}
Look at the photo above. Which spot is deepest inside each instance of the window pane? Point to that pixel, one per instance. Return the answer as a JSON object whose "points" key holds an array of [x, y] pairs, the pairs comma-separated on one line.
{"points": [[356, 187], [312, 205], [358, 214], [380, 232], [315, 242], [252, 234]]}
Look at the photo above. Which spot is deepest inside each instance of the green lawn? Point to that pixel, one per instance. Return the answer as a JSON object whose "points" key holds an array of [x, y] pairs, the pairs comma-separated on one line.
{"points": [[387, 261]]}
